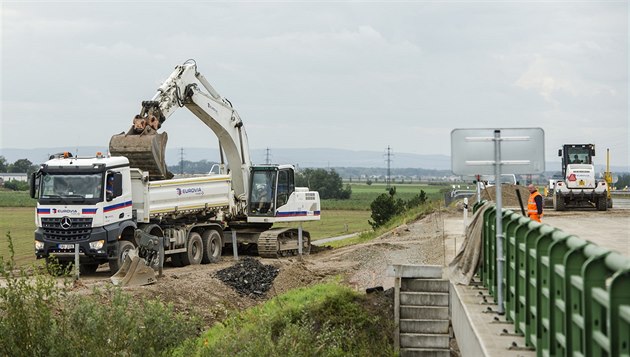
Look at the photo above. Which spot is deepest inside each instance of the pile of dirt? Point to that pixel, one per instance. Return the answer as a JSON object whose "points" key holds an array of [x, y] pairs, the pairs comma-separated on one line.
{"points": [[508, 194], [249, 277]]}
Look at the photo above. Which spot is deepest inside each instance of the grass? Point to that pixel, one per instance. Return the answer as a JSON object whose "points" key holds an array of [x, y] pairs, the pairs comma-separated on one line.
{"points": [[16, 199], [363, 195], [322, 320], [20, 222], [335, 223]]}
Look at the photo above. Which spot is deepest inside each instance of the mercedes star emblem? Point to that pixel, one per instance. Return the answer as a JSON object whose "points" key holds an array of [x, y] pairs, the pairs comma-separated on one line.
{"points": [[66, 222]]}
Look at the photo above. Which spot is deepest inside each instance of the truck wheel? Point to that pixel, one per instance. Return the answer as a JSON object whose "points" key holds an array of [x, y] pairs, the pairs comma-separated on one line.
{"points": [[88, 268], [124, 246], [211, 246], [558, 203], [602, 203], [194, 250]]}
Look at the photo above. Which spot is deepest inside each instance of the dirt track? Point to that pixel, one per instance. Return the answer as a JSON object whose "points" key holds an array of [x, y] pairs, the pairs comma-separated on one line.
{"points": [[431, 240]]}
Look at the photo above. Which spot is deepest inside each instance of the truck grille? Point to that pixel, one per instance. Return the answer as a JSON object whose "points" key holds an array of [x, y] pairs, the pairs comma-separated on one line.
{"points": [[79, 229]]}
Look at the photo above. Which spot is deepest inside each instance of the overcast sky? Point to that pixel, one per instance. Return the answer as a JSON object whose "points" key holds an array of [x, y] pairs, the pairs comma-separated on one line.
{"points": [[350, 75]]}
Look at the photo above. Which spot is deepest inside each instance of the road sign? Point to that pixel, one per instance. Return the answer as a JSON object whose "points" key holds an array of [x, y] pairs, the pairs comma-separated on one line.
{"points": [[522, 151]]}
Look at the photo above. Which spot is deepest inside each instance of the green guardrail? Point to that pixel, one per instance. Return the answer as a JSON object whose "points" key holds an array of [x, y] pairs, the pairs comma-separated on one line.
{"points": [[567, 296]]}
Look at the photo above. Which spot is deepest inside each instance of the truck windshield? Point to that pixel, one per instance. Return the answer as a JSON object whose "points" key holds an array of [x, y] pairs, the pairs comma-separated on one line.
{"points": [[578, 155], [71, 187]]}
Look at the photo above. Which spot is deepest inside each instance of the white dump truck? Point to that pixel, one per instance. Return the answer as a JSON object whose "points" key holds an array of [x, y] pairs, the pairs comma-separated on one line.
{"points": [[109, 205]]}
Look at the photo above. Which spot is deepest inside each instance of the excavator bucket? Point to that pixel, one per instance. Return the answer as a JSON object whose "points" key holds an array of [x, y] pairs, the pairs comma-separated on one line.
{"points": [[144, 151], [134, 272]]}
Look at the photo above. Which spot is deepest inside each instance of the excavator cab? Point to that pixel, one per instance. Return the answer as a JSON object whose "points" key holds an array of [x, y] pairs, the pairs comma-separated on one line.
{"points": [[270, 188]]}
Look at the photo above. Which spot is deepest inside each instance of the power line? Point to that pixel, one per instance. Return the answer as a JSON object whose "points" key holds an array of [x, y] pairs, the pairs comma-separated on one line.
{"points": [[389, 155], [181, 161]]}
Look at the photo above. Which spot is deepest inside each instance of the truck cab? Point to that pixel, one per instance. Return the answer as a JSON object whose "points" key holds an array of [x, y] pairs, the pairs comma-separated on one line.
{"points": [[81, 201]]}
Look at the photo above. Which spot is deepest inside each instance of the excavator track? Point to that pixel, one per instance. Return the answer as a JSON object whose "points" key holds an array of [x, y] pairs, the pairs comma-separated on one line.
{"points": [[282, 242]]}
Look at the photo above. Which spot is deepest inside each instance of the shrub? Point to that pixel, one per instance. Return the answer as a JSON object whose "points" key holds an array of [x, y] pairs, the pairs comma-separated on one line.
{"points": [[39, 317], [16, 185], [384, 207]]}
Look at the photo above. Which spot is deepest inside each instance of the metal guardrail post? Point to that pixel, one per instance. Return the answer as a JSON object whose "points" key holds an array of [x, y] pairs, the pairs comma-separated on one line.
{"points": [[619, 313]]}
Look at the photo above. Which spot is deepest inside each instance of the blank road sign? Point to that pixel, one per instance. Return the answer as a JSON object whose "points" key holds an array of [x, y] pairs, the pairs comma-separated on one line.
{"points": [[522, 151]]}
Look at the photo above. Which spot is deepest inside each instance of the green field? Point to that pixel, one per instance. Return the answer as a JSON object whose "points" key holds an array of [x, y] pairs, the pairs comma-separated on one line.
{"points": [[16, 199], [20, 222], [363, 195]]}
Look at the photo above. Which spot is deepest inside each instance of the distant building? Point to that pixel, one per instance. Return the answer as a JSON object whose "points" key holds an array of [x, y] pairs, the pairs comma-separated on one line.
{"points": [[8, 176]]}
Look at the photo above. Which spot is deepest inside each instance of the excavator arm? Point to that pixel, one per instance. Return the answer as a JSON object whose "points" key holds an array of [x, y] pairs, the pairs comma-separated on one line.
{"points": [[185, 87]]}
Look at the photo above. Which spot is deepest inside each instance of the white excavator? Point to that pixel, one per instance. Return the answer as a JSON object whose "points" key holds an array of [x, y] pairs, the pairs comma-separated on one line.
{"points": [[109, 205]]}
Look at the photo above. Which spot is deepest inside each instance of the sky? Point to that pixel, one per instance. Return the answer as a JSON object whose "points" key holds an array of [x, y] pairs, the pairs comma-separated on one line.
{"points": [[359, 75]]}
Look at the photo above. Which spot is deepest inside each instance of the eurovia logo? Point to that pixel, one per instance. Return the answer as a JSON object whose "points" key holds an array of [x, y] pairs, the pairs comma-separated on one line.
{"points": [[64, 210], [189, 191]]}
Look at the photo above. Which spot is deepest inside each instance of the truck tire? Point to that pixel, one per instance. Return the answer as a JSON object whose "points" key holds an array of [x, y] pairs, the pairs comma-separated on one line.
{"points": [[124, 246], [212, 246], [602, 203], [558, 203], [194, 250]]}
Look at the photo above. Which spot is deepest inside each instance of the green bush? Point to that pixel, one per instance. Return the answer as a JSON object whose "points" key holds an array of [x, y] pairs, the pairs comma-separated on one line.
{"points": [[323, 320], [39, 317], [16, 185]]}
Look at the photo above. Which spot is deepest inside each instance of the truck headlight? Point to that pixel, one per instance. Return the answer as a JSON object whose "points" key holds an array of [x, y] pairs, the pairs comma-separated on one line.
{"points": [[97, 245], [39, 245]]}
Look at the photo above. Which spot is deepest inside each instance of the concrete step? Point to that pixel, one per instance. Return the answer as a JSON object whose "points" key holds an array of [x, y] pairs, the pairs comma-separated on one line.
{"points": [[423, 326], [425, 352], [415, 271], [424, 285], [424, 312], [421, 340], [423, 298]]}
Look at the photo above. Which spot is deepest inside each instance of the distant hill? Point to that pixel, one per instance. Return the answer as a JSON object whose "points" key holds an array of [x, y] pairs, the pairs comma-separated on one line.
{"points": [[315, 158]]}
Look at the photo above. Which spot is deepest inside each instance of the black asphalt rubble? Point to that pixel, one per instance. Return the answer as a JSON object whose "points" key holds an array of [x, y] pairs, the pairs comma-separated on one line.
{"points": [[249, 277]]}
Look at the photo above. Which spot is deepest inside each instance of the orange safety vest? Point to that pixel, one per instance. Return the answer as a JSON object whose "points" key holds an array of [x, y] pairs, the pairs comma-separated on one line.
{"points": [[532, 209]]}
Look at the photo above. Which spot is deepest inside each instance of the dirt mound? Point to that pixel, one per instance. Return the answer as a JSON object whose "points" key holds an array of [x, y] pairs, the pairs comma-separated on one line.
{"points": [[249, 277], [508, 194]]}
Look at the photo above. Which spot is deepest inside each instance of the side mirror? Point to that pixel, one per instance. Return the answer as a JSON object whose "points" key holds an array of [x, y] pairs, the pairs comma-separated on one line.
{"points": [[559, 152], [34, 184], [118, 184]]}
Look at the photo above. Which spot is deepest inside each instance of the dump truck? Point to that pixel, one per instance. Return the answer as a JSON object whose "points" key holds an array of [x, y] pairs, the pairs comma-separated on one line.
{"points": [[578, 187], [109, 205]]}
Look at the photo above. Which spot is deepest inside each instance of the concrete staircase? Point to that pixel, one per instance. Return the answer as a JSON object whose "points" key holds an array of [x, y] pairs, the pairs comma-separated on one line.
{"points": [[421, 304]]}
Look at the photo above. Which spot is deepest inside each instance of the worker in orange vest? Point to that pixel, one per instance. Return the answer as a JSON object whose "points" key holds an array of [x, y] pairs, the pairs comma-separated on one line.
{"points": [[534, 204]]}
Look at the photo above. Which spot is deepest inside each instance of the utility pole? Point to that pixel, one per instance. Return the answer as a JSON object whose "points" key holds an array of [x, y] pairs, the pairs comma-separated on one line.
{"points": [[389, 155], [267, 157], [181, 161]]}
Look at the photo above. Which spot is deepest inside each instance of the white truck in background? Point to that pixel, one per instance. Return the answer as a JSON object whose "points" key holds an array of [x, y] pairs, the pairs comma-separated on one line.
{"points": [[579, 188], [107, 204]]}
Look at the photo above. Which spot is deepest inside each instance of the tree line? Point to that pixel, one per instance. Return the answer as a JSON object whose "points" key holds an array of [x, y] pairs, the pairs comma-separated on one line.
{"points": [[19, 166]]}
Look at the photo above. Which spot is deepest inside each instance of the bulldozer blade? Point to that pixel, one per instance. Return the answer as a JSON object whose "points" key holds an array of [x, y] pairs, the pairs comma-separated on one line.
{"points": [[144, 151], [134, 272]]}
